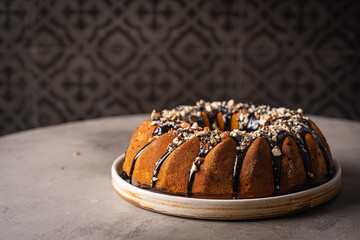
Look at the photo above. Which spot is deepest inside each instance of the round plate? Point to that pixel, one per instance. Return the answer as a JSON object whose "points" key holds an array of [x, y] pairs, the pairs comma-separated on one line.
{"points": [[225, 209]]}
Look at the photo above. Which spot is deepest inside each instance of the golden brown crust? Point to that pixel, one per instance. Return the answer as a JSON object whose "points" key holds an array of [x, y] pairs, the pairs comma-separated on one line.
{"points": [[180, 159], [293, 174], [215, 174], [220, 121], [323, 139], [318, 164], [256, 176], [234, 122], [146, 162], [206, 119], [138, 140]]}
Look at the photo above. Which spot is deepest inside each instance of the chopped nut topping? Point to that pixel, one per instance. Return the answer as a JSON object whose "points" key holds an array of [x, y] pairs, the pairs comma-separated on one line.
{"points": [[176, 140], [153, 114], [208, 108], [206, 146], [276, 151], [241, 117], [185, 125], [200, 160], [225, 134], [272, 121], [195, 125], [194, 168]]}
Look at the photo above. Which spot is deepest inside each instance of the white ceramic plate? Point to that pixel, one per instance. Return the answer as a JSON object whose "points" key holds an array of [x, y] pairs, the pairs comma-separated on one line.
{"points": [[225, 209]]}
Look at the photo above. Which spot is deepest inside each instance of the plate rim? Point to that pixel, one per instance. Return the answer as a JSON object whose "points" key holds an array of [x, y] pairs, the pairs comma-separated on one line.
{"points": [[208, 204]]}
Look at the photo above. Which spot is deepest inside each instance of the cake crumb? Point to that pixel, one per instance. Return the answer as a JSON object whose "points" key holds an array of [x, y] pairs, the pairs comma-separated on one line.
{"points": [[77, 153]]}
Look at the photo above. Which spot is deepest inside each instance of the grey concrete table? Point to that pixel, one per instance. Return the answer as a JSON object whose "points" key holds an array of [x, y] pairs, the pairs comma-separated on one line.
{"points": [[47, 192]]}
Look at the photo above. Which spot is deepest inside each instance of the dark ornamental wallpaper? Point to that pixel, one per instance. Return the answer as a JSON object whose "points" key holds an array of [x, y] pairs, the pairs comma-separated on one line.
{"points": [[67, 60]]}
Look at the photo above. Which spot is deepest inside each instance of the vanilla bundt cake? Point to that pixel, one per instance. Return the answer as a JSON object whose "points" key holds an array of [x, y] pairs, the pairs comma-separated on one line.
{"points": [[227, 150]]}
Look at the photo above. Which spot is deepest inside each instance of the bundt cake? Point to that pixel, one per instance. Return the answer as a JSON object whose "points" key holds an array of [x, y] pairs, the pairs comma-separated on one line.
{"points": [[226, 150]]}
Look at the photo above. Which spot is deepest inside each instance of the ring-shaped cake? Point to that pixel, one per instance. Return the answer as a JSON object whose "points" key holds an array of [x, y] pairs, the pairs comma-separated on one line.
{"points": [[224, 150]]}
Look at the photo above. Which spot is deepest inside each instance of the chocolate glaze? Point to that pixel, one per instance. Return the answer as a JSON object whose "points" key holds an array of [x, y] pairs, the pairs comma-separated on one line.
{"points": [[134, 161], [302, 147], [319, 142], [201, 154], [160, 162], [124, 176], [239, 159], [212, 116], [200, 119], [276, 160], [252, 125], [227, 121], [161, 130]]}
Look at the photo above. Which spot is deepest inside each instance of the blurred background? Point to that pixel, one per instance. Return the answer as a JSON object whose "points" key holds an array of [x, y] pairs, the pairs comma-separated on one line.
{"points": [[67, 60]]}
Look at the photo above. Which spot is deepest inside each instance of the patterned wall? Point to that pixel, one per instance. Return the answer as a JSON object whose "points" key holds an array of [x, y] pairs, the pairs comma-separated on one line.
{"points": [[65, 60]]}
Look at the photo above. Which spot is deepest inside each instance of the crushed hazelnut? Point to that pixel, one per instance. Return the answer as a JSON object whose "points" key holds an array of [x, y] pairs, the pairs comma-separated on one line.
{"points": [[185, 125], [200, 160], [241, 116], [208, 108], [195, 125], [153, 114], [276, 151], [194, 168], [225, 134]]}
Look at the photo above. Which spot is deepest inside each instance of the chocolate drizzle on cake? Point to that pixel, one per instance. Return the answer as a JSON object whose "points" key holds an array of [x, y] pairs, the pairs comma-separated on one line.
{"points": [[210, 121], [195, 168], [134, 161], [182, 137], [318, 141], [208, 140], [159, 164], [239, 159]]}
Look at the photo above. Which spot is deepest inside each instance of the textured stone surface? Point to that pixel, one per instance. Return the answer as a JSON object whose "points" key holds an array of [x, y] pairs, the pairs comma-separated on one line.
{"points": [[47, 192]]}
